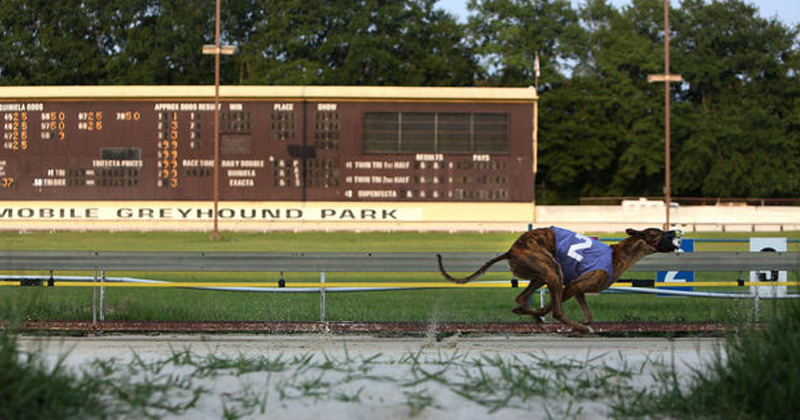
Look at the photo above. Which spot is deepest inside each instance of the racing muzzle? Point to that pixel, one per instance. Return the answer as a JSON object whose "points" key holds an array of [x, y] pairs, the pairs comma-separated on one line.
{"points": [[670, 241]]}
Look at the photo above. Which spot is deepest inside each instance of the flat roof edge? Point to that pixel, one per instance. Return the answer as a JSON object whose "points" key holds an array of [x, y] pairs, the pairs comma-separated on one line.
{"points": [[16, 93]]}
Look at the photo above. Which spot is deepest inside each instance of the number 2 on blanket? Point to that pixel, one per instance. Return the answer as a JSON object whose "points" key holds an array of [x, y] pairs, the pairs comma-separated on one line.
{"points": [[573, 250]]}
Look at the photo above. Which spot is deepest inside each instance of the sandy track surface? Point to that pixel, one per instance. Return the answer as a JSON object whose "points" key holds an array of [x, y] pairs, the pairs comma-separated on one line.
{"points": [[364, 377]]}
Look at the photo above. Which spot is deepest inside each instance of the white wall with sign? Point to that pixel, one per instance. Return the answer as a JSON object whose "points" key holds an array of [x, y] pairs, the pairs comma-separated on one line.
{"points": [[769, 276]]}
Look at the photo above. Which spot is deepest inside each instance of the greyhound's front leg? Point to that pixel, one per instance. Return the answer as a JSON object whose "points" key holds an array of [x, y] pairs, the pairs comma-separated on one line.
{"points": [[587, 314], [592, 282], [557, 299]]}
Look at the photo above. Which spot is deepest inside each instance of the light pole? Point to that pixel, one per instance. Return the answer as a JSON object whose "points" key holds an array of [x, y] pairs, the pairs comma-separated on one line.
{"points": [[667, 78], [217, 49], [535, 135]]}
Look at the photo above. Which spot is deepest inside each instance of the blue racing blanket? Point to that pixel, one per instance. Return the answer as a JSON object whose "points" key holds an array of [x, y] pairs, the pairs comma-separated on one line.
{"points": [[578, 254]]}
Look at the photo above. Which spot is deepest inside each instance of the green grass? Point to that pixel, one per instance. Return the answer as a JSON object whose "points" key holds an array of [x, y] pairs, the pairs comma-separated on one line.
{"points": [[256, 242], [31, 388], [447, 305], [471, 305], [755, 376], [176, 385], [313, 241], [34, 388]]}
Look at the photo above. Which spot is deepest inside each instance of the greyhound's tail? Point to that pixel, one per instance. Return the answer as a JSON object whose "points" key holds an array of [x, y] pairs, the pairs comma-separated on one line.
{"points": [[474, 275]]}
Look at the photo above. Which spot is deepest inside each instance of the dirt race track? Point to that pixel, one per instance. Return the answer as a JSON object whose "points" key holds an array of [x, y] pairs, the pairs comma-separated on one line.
{"points": [[603, 328], [349, 376]]}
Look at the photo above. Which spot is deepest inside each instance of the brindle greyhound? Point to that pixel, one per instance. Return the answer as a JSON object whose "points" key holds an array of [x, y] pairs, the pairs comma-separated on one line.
{"points": [[550, 256]]}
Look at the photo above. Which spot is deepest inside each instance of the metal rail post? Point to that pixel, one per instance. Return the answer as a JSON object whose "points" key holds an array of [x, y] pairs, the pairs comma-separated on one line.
{"points": [[103, 296], [322, 296], [94, 298], [757, 305]]}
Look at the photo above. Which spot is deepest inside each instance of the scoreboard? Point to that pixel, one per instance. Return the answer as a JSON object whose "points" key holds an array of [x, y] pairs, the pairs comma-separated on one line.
{"points": [[291, 143]]}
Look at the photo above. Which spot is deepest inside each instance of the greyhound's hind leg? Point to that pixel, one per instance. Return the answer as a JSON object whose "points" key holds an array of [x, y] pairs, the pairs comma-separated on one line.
{"points": [[538, 265], [523, 300]]}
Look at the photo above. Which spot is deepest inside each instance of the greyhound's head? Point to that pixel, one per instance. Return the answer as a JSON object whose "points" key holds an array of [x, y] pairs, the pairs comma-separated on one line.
{"points": [[659, 240]]}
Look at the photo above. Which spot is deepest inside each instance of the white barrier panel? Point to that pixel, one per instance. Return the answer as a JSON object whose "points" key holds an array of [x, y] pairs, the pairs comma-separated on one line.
{"points": [[678, 277], [768, 245]]}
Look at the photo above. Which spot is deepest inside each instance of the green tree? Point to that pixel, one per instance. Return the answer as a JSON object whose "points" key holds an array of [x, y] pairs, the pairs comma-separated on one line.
{"points": [[734, 125], [375, 42], [405, 43], [576, 148], [240, 18], [44, 42], [508, 34], [602, 132], [740, 137], [160, 42], [95, 42]]}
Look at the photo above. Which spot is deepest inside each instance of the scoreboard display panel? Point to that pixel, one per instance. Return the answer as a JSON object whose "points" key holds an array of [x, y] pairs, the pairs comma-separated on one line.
{"points": [[358, 144]]}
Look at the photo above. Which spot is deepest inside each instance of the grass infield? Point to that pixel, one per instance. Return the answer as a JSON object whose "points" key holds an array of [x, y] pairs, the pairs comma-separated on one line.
{"points": [[448, 305]]}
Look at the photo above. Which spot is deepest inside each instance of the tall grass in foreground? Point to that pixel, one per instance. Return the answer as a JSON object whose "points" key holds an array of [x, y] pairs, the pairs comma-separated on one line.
{"points": [[31, 389], [755, 376]]}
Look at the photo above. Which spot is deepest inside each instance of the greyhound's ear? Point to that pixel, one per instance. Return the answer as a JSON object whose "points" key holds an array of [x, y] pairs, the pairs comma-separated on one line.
{"points": [[632, 232]]}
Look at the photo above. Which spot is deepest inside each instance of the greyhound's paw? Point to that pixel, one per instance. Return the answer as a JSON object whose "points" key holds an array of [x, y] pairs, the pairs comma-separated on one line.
{"points": [[519, 310], [580, 330]]}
